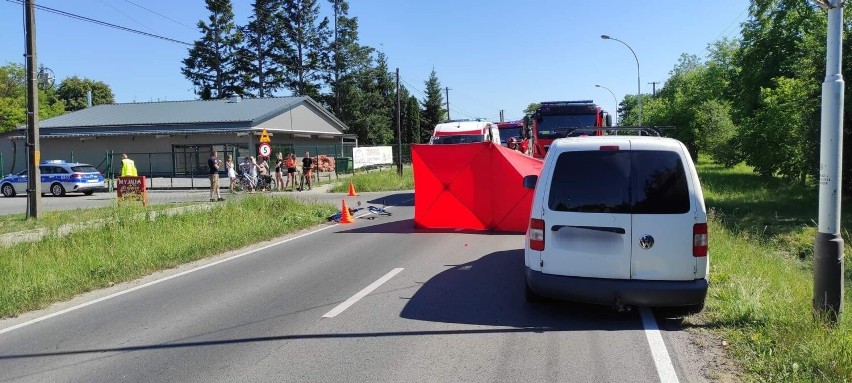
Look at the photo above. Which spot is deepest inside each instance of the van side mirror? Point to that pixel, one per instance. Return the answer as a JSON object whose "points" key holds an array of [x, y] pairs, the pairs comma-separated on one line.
{"points": [[608, 119], [530, 181]]}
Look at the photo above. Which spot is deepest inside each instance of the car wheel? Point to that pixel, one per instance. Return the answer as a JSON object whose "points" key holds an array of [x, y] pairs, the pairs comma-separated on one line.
{"points": [[57, 190], [90, 192], [8, 190], [531, 295]]}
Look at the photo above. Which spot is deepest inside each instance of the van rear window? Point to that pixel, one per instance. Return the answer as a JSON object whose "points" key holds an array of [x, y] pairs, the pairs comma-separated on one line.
{"points": [[460, 139], [627, 182]]}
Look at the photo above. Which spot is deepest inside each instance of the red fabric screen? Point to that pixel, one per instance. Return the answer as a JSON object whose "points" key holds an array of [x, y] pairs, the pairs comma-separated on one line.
{"points": [[472, 186]]}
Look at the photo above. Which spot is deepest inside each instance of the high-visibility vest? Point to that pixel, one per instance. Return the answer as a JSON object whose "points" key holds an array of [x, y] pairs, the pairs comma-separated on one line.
{"points": [[128, 168]]}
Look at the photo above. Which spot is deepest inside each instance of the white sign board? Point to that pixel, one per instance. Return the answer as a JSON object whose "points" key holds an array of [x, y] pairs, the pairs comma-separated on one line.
{"points": [[371, 155]]}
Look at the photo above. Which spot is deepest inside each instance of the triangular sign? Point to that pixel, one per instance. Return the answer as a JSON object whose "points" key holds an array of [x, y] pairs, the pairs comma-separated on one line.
{"points": [[264, 137]]}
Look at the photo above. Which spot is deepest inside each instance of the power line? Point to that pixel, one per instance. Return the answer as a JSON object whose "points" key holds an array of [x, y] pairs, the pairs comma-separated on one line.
{"points": [[102, 23], [161, 15], [127, 16]]}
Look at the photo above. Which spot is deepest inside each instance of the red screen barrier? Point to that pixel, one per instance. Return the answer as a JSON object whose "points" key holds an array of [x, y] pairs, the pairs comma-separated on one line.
{"points": [[472, 186]]}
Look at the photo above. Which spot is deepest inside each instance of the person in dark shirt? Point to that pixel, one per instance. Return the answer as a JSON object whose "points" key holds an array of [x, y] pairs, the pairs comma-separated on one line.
{"points": [[213, 165], [307, 170]]}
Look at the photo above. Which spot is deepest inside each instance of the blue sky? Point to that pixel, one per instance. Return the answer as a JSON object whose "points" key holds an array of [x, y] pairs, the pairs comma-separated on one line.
{"points": [[492, 54]]}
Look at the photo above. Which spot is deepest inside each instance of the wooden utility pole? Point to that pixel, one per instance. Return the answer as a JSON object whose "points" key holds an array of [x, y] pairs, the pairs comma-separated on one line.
{"points": [[654, 87], [33, 147], [398, 128], [447, 89]]}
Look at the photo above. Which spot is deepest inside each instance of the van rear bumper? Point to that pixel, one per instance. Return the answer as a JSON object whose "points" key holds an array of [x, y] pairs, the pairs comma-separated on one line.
{"points": [[623, 291]]}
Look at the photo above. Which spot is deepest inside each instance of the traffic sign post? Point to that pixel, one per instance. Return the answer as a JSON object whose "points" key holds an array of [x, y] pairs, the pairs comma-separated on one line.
{"points": [[264, 150]]}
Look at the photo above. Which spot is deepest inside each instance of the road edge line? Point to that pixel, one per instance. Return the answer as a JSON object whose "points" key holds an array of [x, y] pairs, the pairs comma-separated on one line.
{"points": [[154, 282], [662, 361]]}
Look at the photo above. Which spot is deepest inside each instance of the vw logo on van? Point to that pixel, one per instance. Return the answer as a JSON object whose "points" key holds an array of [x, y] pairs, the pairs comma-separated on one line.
{"points": [[646, 242]]}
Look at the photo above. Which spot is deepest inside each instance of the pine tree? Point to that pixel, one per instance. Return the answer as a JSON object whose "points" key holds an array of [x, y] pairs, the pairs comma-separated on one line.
{"points": [[309, 41], [212, 62], [263, 57], [347, 57], [410, 119], [433, 112]]}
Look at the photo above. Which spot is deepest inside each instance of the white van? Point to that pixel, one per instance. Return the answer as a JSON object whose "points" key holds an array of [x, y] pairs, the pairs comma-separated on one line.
{"points": [[618, 220], [464, 132]]}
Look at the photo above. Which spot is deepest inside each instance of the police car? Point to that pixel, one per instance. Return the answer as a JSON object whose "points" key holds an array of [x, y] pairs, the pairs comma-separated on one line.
{"points": [[57, 177]]}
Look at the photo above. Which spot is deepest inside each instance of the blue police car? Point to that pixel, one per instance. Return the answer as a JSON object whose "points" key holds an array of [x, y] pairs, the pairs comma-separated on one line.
{"points": [[57, 177]]}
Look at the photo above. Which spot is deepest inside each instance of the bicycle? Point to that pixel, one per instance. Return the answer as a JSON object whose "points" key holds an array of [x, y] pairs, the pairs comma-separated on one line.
{"points": [[244, 183]]}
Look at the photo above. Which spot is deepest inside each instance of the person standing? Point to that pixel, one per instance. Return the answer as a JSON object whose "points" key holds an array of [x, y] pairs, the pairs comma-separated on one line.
{"points": [[307, 169], [128, 167], [232, 174], [279, 171], [213, 165], [263, 169], [290, 164]]}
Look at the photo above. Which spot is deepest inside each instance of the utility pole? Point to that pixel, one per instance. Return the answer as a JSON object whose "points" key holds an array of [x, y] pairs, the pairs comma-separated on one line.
{"points": [[398, 128], [654, 88], [828, 244], [448, 103], [33, 147]]}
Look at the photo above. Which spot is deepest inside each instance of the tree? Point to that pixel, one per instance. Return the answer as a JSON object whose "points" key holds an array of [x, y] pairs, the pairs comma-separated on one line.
{"points": [[212, 64], [411, 119], [13, 99], [433, 112], [73, 91], [309, 40], [347, 57], [531, 108], [262, 59]]}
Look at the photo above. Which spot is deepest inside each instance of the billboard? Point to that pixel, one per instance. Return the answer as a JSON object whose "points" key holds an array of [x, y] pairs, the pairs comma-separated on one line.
{"points": [[371, 156]]}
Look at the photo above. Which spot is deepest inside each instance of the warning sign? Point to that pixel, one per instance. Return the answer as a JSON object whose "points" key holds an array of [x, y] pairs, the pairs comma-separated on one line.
{"points": [[264, 137]]}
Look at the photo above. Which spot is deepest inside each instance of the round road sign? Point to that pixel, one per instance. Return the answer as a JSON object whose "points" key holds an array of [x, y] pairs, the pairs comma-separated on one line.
{"points": [[265, 150]]}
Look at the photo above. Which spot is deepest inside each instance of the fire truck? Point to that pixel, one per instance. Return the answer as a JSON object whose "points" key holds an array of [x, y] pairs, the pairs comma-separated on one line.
{"points": [[558, 119]]}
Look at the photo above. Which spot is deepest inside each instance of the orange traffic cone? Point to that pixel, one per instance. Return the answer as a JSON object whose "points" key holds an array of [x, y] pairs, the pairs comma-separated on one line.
{"points": [[345, 217], [352, 189]]}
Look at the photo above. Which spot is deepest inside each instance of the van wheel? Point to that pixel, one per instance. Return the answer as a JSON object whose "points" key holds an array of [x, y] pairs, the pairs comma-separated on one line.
{"points": [[680, 311], [57, 190], [530, 295]]}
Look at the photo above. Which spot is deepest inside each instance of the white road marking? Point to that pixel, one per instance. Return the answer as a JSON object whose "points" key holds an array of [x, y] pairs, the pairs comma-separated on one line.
{"points": [[120, 293], [363, 293], [665, 369]]}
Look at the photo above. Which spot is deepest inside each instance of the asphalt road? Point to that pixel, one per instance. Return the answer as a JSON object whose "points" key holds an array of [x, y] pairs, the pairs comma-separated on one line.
{"points": [[450, 308]]}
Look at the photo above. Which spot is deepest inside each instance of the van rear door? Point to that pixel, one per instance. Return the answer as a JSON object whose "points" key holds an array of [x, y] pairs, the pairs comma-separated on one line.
{"points": [[586, 213], [663, 216]]}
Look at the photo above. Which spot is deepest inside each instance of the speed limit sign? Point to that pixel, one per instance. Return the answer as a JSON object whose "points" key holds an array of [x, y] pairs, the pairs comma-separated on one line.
{"points": [[265, 150]]}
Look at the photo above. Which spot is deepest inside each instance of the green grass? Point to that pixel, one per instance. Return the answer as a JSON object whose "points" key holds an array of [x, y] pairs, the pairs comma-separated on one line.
{"points": [[381, 180], [36, 274], [52, 220], [762, 279]]}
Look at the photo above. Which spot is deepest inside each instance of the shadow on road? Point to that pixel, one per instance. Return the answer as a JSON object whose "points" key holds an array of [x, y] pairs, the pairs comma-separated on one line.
{"points": [[490, 291], [406, 226], [399, 199]]}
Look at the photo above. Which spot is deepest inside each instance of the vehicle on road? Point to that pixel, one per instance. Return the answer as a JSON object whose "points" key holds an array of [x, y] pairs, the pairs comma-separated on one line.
{"points": [[618, 220], [57, 178], [465, 132], [556, 119]]}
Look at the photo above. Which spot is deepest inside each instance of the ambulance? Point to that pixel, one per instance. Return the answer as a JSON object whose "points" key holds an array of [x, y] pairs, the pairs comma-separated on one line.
{"points": [[465, 132]]}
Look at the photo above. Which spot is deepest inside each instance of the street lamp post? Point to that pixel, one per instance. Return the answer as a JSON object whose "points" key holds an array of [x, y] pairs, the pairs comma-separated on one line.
{"points": [[638, 81], [614, 99]]}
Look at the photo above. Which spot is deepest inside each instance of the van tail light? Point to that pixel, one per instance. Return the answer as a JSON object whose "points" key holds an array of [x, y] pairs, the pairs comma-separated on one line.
{"points": [[699, 240], [536, 234]]}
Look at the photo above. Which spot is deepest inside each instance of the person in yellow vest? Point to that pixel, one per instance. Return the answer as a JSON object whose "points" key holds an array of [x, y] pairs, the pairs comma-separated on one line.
{"points": [[128, 168]]}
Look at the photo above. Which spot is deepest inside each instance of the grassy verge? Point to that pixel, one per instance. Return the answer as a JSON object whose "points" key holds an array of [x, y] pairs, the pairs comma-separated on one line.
{"points": [[52, 220], [762, 280], [34, 275], [382, 180]]}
